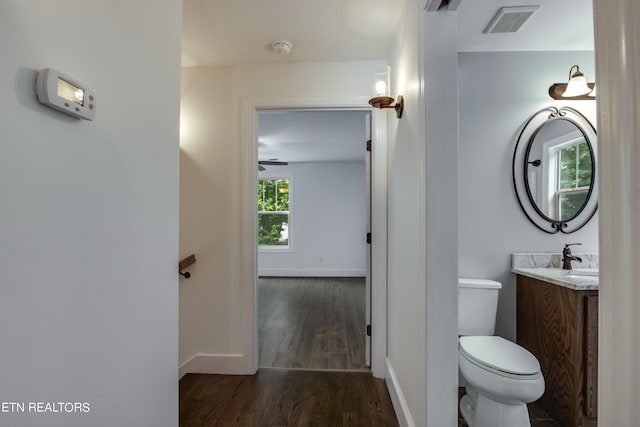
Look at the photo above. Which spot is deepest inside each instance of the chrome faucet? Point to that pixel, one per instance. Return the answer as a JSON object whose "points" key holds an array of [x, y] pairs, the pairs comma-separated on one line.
{"points": [[567, 257]]}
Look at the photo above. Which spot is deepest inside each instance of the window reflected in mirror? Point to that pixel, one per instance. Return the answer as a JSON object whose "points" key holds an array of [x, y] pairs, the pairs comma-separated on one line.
{"points": [[572, 178], [559, 168]]}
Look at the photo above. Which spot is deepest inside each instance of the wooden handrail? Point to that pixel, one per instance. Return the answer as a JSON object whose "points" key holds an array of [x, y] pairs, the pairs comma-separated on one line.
{"points": [[184, 263]]}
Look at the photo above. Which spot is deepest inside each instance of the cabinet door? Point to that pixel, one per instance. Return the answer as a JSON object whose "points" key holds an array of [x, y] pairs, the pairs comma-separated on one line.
{"points": [[559, 326]]}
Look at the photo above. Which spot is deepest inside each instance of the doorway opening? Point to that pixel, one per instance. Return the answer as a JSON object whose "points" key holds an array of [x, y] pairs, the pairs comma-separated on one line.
{"points": [[313, 287]]}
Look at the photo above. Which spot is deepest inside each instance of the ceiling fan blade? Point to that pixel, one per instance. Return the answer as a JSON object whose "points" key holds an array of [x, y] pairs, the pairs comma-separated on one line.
{"points": [[272, 163]]}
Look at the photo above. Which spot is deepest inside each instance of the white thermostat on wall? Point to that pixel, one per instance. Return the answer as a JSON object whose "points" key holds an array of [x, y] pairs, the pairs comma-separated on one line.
{"points": [[63, 93]]}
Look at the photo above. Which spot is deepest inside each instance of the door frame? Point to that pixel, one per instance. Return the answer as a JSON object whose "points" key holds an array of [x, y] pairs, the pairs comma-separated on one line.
{"points": [[249, 248], [367, 294]]}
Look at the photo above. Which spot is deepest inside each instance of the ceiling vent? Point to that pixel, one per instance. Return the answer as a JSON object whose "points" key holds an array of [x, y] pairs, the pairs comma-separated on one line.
{"points": [[510, 19]]}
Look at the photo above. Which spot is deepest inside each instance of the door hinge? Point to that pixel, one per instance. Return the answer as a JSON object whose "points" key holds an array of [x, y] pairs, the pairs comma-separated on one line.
{"points": [[368, 330], [368, 238], [369, 145]]}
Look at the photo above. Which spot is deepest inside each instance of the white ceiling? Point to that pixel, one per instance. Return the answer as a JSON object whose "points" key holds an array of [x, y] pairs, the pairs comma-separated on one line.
{"points": [[222, 32], [226, 32], [304, 136]]}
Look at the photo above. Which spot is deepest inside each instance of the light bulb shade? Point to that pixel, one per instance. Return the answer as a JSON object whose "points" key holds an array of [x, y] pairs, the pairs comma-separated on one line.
{"points": [[381, 81], [576, 89], [381, 91], [577, 85], [380, 88]]}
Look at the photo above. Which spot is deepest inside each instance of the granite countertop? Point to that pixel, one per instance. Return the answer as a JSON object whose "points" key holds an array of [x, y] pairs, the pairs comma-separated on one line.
{"points": [[546, 267]]}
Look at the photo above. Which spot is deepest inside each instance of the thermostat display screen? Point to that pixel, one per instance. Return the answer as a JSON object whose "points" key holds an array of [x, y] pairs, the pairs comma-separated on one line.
{"points": [[70, 92], [65, 94]]}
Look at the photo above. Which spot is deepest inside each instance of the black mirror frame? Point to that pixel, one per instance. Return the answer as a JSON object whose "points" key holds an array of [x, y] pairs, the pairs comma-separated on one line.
{"points": [[519, 170]]}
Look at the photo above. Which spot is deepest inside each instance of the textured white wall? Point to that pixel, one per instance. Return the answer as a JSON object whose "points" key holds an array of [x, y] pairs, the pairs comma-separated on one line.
{"points": [[89, 214], [328, 216], [494, 104]]}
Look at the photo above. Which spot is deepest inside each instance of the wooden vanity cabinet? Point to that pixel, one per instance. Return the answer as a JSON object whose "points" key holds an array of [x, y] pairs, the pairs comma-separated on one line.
{"points": [[560, 327]]}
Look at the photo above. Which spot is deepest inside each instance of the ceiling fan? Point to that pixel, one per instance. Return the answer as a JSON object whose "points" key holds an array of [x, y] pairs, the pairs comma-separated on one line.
{"points": [[263, 163]]}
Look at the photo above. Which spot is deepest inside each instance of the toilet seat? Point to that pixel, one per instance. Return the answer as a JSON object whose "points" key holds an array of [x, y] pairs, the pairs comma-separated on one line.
{"points": [[500, 356]]}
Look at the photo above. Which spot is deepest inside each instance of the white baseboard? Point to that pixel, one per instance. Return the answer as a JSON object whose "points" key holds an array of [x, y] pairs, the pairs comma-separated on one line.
{"points": [[227, 364], [311, 272], [397, 397]]}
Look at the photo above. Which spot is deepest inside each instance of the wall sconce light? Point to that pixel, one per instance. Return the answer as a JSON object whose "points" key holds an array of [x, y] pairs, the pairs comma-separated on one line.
{"points": [[577, 87], [381, 90]]}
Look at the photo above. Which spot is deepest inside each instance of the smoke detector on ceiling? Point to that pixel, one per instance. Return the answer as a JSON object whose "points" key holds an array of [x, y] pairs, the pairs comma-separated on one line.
{"points": [[510, 19], [282, 47]]}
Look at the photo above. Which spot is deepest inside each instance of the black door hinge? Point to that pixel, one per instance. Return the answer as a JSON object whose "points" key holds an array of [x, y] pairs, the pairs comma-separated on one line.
{"points": [[368, 238], [368, 330]]}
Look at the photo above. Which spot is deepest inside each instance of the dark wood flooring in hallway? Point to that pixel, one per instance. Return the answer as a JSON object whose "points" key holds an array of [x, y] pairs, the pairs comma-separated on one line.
{"points": [[312, 322], [292, 398]]}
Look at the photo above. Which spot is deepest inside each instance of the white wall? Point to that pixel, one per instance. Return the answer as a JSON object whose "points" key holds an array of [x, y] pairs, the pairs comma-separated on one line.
{"points": [[208, 216], [89, 214], [406, 293], [618, 94], [212, 203], [327, 221], [494, 104], [422, 293], [441, 196]]}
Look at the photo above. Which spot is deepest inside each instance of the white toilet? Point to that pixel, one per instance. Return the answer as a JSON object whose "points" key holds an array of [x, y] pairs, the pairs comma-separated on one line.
{"points": [[501, 376]]}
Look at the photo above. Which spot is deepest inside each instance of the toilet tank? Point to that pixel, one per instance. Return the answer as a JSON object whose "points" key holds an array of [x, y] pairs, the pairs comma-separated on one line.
{"points": [[477, 306]]}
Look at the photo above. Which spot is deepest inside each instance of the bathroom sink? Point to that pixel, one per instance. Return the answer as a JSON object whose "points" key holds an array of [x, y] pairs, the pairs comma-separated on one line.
{"points": [[582, 273]]}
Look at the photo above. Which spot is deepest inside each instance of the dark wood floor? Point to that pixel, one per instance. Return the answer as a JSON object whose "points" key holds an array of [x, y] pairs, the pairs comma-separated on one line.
{"points": [[537, 416], [311, 323], [278, 397]]}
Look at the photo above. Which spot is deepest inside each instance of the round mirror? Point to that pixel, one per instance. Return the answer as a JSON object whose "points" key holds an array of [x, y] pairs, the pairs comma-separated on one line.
{"points": [[554, 170]]}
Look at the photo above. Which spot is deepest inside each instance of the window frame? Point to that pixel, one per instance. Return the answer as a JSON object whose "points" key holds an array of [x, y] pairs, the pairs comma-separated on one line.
{"points": [[550, 162], [556, 162], [266, 175]]}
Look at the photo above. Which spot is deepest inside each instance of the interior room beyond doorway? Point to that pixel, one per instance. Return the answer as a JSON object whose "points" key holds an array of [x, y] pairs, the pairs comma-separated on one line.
{"points": [[312, 251]]}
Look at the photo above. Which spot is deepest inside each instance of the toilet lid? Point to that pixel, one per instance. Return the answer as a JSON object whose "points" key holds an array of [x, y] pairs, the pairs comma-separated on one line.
{"points": [[499, 354]]}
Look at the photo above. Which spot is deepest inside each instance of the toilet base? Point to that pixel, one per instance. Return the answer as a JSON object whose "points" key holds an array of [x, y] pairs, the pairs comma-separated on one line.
{"points": [[480, 411]]}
